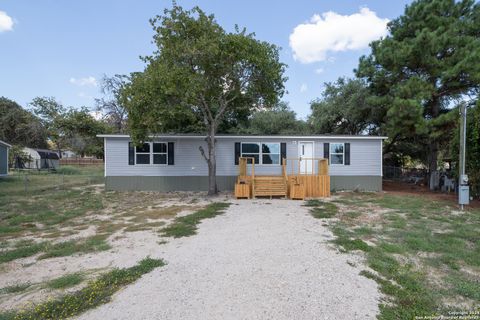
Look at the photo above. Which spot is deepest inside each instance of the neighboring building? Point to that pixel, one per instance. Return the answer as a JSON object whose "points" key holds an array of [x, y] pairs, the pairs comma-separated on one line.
{"points": [[174, 162], [68, 154], [4, 158], [39, 159]]}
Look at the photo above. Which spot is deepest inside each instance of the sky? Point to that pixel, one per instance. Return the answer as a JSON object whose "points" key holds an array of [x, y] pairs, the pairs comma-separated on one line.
{"points": [[62, 49]]}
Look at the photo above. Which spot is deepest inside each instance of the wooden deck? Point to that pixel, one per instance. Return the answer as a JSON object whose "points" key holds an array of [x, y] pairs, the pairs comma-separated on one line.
{"points": [[291, 184]]}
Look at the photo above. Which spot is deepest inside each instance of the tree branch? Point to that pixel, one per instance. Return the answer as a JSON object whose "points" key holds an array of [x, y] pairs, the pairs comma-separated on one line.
{"points": [[203, 153]]}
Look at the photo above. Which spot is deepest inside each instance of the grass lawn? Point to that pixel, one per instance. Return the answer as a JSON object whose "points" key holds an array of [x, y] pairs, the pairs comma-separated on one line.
{"points": [[424, 253]]}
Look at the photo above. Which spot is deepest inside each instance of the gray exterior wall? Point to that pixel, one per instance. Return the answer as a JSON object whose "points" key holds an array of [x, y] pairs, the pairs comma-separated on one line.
{"points": [[190, 170], [3, 160]]}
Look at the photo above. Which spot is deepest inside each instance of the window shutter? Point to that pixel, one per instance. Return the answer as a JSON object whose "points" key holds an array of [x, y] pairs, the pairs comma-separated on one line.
{"points": [[237, 152], [283, 152], [171, 154], [326, 151], [131, 154], [347, 154]]}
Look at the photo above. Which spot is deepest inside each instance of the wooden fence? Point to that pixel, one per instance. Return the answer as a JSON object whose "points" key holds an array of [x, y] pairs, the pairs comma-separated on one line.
{"points": [[80, 162]]}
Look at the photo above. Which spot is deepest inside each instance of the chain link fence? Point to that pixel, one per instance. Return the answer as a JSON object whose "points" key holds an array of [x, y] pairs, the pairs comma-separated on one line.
{"points": [[403, 174]]}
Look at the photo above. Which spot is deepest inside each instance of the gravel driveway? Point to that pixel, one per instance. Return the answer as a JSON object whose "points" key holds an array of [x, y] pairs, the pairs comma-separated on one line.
{"points": [[262, 259]]}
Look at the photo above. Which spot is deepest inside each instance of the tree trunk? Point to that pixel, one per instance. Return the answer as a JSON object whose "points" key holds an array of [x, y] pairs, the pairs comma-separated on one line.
{"points": [[212, 163], [433, 180]]}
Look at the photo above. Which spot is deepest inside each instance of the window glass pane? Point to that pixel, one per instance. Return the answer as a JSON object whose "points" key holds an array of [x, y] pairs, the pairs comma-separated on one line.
{"points": [[336, 159], [270, 147], [336, 148], [160, 148], [159, 159], [250, 148], [144, 148], [143, 158], [256, 156], [271, 159]]}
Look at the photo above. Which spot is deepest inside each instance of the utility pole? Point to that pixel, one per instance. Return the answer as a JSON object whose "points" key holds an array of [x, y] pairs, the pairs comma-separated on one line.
{"points": [[463, 189]]}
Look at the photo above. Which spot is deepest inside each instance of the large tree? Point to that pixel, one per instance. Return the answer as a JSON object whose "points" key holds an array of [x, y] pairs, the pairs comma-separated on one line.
{"points": [[429, 60], [200, 77], [110, 105], [344, 108], [20, 127], [280, 119]]}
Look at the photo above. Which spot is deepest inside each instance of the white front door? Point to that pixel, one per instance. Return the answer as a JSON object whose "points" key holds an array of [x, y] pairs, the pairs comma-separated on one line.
{"points": [[305, 153]]}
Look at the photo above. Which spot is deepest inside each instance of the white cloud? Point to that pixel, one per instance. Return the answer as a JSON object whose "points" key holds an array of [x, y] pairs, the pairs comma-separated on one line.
{"points": [[82, 82], [319, 70], [6, 22], [332, 32], [97, 115], [303, 87]]}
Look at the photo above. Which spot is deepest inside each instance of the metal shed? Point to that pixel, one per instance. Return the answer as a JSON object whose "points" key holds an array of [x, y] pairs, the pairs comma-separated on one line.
{"points": [[4, 147]]}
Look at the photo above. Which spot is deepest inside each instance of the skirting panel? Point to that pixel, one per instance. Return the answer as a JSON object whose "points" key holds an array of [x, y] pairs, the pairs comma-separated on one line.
{"points": [[224, 183]]}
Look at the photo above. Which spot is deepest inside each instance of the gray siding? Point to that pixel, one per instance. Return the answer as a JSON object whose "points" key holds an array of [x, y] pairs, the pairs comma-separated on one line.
{"points": [[224, 183], [3, 160], [365, 158]]}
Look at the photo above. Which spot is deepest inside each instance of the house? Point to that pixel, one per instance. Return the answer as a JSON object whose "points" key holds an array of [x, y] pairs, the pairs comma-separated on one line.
{"points": [[39, 159], [174, 162], [68, 154], [4, 158]]}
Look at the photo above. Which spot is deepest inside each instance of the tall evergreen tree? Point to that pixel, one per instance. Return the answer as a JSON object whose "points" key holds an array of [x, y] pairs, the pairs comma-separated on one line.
{"points": [[429, 60]]}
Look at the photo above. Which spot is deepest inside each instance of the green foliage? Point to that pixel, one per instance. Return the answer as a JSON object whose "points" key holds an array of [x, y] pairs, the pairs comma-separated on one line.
{"points": [[97, 292], [345, 109], [278, 120], [321, 209], [187, 225], [16, 288], [201, 79], [20, 127], [71, 128], [428, 61], [66, 281]]}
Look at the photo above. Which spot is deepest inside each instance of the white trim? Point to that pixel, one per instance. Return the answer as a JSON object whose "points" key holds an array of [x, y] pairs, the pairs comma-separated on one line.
{"points": [[381, 158], [336, 153], [5, 144], [104, 157], [325, 137]]}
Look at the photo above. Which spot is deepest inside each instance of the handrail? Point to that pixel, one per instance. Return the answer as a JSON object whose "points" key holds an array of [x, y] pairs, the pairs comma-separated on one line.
{"points": [[321, 170]]}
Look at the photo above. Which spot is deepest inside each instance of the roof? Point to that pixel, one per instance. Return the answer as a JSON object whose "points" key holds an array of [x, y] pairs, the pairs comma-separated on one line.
{"points": [[3, 143], [237, 136]]}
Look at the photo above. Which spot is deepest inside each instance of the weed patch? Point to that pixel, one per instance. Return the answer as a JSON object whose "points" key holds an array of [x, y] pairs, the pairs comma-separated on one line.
{"points": [[66, 281], [97, 292], [187, 225], [320, 209]]}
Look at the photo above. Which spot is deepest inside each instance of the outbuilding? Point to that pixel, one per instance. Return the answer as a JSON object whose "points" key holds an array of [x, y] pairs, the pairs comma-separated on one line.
{"points": [[174, 162], [40, 159], [4, 148]]}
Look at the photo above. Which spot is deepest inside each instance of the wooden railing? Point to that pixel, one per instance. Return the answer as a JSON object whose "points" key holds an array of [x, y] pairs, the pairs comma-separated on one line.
{"points": [[320, 164]]}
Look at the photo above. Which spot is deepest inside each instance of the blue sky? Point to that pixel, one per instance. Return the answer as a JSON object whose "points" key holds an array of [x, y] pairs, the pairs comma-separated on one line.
{"points": [[63, 48]]}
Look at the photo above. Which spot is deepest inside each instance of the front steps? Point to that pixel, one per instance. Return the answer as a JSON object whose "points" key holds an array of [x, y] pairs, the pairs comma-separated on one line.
{"points": [[269, 186]]}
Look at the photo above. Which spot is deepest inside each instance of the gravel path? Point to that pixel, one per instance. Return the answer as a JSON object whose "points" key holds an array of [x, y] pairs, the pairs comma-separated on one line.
{"points": [[262, 259]]}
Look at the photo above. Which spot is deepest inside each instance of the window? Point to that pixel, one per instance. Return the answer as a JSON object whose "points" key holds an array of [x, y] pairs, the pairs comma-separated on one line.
{"points": [[267, 153], [337, 153], [270, 153], [143, 154], [159, 153], [251, 150]]}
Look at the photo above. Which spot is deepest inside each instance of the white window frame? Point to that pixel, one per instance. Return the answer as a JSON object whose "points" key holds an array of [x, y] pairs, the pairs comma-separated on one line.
{"points": [[337, 153], [260, 152], [165, 153], [151, 153]]}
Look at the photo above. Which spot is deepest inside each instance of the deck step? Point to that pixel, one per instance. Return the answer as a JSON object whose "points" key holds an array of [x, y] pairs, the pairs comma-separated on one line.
{"points": [[269, 186]]}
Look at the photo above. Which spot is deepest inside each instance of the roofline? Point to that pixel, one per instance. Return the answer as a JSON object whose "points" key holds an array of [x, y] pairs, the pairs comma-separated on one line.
{"points": [[5, 144], [249, 136]]}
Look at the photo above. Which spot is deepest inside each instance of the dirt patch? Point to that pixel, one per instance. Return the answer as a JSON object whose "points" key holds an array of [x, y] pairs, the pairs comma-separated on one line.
{"points": [[407, 189]]}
